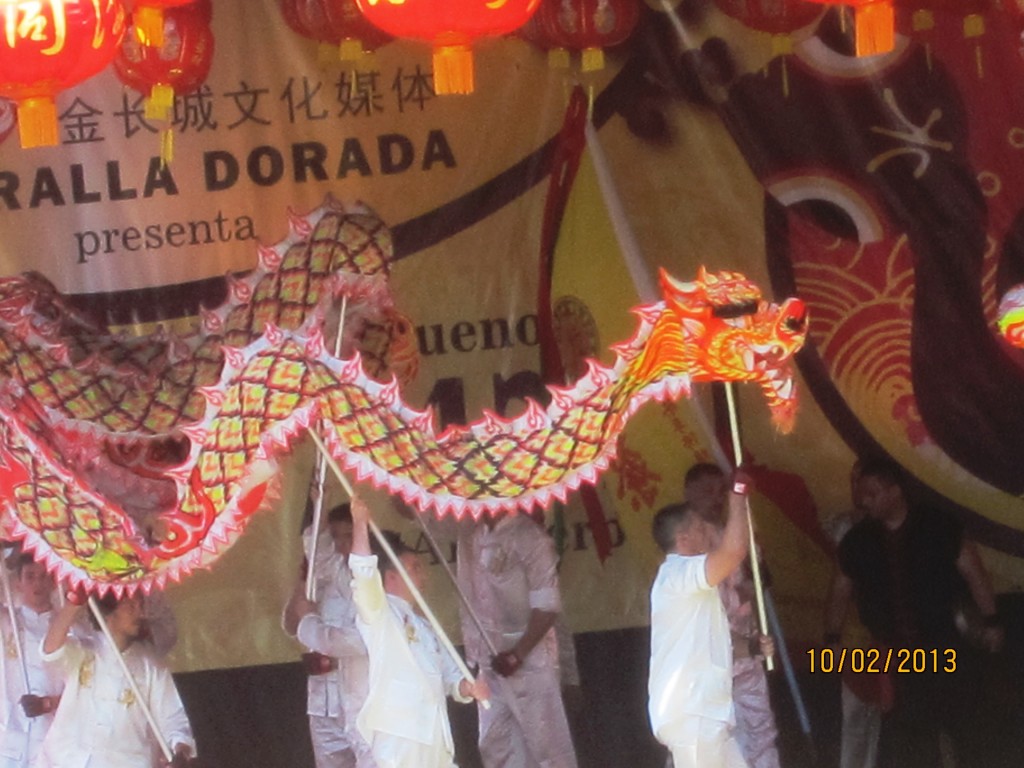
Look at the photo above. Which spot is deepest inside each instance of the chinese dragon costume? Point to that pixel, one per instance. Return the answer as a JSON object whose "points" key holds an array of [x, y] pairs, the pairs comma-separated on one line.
{"points": [[128, 462]]}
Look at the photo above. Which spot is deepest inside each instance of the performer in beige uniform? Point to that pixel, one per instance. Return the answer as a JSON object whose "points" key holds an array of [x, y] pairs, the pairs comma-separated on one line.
{"points": [[26, 715], [507, 568], [337, 665]]}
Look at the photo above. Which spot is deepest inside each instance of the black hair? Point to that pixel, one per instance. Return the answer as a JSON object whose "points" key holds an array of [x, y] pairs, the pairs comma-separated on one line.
{"points": [[107, 605], [384, 562], [18, 561], [700, 471], [884, 469], [668, 521], [341, 513]]}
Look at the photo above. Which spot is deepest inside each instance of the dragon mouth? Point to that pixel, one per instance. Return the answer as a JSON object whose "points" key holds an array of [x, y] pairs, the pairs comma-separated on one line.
{"points": [[783, 385], [768, 361]]}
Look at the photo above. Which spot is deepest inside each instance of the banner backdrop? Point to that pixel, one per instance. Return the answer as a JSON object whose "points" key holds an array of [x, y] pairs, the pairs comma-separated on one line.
{"points": [[884, 192]]}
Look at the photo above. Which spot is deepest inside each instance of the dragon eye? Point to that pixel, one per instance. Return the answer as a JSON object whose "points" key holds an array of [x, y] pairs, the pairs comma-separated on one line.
{"points": [[738, 309]]}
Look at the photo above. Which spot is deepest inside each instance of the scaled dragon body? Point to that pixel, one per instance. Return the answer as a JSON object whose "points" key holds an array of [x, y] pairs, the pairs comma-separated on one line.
{"points": [[219, 408], [1011, 316]]}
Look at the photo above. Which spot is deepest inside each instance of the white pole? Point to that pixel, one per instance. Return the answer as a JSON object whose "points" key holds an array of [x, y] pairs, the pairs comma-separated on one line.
{"points": [[755, 565], [321, 481], [15, 626], [413, 589], [19, 647], [455, 583]]}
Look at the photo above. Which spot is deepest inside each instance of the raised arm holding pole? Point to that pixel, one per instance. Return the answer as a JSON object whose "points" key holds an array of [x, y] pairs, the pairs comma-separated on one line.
{"points": [[455, 582], [755, 566], [400, 569], [101, 621]]}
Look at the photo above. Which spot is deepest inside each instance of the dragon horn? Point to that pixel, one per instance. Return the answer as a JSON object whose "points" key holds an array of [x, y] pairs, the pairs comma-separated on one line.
{"points": [[672, 286], [666, 281], [672, 289]]}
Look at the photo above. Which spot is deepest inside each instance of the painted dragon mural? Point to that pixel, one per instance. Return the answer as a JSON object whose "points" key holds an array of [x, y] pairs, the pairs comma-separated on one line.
{"points": [[892, 204], [128, 463]]}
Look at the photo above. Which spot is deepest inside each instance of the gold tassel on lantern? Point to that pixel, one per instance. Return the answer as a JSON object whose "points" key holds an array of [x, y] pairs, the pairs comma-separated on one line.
{"points": [[326, 55], [974, 27], [591, 59], [166, 146], [160, 103], [558, 58], [37, 123], [874, 29], [453, 67], [149, 26], [924, 21], [351, 50], [782, 45]]}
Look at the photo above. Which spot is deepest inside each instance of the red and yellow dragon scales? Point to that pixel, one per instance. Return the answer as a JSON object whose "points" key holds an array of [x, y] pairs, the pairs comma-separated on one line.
{"points": [[1011, 316], [125, 464]]}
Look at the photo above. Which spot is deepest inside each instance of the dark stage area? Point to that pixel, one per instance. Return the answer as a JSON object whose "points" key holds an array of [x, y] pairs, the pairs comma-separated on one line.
{"points": [[254, 717]]}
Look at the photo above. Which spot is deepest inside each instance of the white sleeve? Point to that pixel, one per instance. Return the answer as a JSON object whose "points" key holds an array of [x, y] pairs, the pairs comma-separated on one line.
{"points": [[338, 642], [452, 676], [168, 710], [66, 658], [540, 563], [367, 587], [686, 574]]}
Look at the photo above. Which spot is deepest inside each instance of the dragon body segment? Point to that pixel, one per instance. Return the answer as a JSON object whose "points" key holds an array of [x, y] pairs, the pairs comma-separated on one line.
{"points": [[1011, 316], [259, 374]]}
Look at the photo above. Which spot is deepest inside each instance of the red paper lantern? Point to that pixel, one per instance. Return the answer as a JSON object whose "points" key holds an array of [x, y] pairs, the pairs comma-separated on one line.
{"points": [[50, 45], [148, 19], [335, 23], [180, 65], [776, 17], [450, 26], [874, 24], [587, 26]]}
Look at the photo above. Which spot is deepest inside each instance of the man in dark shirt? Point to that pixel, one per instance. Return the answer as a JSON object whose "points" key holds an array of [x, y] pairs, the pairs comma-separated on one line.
{"points": [[908, 570]]}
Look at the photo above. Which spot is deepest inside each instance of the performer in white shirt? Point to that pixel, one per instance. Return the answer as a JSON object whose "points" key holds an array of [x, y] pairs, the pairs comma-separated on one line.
{"points": [[26, 715], [705, 488], [690, 684], [99, 723], [337, 665], [508, 571], [405, 717]]}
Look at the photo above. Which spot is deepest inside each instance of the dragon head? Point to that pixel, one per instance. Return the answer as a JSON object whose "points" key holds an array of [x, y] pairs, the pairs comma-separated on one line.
{"points": [[728, 332], [710, 291]]}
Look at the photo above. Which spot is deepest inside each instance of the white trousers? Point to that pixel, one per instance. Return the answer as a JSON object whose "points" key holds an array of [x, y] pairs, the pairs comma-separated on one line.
{"points": [[395, 752], [698, 742]]}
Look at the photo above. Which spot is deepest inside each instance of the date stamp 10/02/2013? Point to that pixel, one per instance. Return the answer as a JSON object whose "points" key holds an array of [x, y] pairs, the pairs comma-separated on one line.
{"points": [[882, 660]]}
